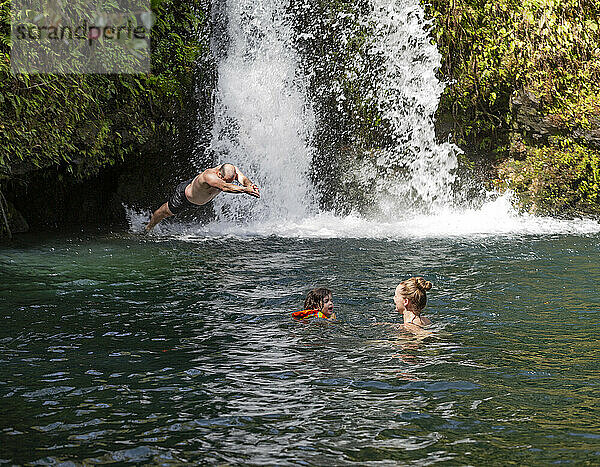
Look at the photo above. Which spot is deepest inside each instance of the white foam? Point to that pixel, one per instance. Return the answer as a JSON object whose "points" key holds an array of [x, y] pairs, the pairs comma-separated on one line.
{"points": [[494, 218]]}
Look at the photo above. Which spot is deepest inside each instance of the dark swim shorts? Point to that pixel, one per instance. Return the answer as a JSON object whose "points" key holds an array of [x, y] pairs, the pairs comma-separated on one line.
{"points": [[179, 202]]}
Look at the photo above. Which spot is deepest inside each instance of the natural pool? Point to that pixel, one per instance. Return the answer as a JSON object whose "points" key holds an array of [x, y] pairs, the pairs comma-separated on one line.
{"points": [[120, 348]]}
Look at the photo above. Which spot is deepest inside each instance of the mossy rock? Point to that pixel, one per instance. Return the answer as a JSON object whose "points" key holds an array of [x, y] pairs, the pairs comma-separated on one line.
{"points": [[561, 178]]}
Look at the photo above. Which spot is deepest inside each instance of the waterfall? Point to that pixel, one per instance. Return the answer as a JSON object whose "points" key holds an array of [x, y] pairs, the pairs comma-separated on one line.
{"points": [[263, 122], [398, 181], [408, 93]]}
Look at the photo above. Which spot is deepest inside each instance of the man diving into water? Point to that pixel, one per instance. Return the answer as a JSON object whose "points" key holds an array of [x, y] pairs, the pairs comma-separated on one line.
{"points": [[202, 189]]}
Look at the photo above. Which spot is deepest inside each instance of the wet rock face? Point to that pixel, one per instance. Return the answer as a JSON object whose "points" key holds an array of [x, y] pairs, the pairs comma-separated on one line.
{"points": [[590, 137], [553, 168], [11, 216], [531, 123], [527, 119]]}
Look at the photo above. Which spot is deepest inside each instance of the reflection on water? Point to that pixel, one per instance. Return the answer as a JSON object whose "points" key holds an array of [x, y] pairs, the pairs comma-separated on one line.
{"points": [[123, 349]]}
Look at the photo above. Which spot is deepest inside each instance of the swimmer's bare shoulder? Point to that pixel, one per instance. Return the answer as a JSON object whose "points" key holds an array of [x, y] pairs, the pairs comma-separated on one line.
{"points": [[204, 187], [202, 179], [199, 181]]}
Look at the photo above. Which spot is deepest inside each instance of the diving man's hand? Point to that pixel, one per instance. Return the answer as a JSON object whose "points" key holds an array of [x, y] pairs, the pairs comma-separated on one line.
{"points": [[252, 190]]}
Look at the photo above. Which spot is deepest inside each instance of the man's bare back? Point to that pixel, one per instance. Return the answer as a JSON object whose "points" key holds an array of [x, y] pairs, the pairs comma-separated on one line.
{"points": [[210, 183], [203, 189]]}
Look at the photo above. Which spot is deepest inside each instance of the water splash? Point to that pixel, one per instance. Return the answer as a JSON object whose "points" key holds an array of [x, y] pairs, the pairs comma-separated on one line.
{"points": [[137, 219], [263, 121], [496, 217]]}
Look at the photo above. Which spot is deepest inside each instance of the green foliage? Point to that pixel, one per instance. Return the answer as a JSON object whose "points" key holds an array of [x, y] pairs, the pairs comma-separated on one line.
{"points": [[84, 122], [493, 47], [561, 178]]}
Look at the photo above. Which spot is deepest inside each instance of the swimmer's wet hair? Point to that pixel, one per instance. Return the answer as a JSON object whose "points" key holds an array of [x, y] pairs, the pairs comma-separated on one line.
{"points": [[415, 290], [316, 298]]}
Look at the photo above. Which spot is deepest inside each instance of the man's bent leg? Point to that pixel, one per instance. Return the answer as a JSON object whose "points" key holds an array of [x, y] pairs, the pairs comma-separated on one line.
{"points": [[161, 213]]}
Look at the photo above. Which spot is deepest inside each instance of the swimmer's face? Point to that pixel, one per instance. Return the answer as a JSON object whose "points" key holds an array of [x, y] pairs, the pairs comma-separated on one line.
{"points": [[400, 300], [327, 308]]}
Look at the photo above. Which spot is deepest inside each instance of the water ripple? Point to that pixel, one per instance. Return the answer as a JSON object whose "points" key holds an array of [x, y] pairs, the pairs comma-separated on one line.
{"points": [[169, 357]]}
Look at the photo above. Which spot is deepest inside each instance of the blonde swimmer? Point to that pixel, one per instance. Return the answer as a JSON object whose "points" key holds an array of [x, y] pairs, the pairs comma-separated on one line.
{"points": [[410, 299]]}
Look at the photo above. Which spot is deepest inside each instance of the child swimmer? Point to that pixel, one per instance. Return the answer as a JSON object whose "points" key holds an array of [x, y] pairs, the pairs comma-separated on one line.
{"points": [[319, 303], [410, 300]]}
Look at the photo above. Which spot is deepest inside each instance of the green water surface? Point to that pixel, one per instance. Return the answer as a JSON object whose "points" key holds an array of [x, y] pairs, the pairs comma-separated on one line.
{"points": [[120, 349]]}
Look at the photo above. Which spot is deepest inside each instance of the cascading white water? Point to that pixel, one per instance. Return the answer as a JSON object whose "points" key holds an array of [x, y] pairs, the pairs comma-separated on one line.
{"points": [[263, 121], [416, 169], [408, 96]]}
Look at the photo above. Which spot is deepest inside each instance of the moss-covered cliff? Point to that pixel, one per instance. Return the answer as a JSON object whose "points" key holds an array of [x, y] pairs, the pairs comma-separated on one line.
{"points": [[58, 130], [525, 93]]}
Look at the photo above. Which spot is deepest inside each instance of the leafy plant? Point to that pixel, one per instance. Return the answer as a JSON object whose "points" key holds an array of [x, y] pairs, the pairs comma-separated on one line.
{"points": [[493, 48], [82, 122]]}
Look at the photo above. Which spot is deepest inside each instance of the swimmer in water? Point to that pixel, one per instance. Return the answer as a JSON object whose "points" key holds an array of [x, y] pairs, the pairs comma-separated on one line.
{"points": [[410, 300], [319, 303]]}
